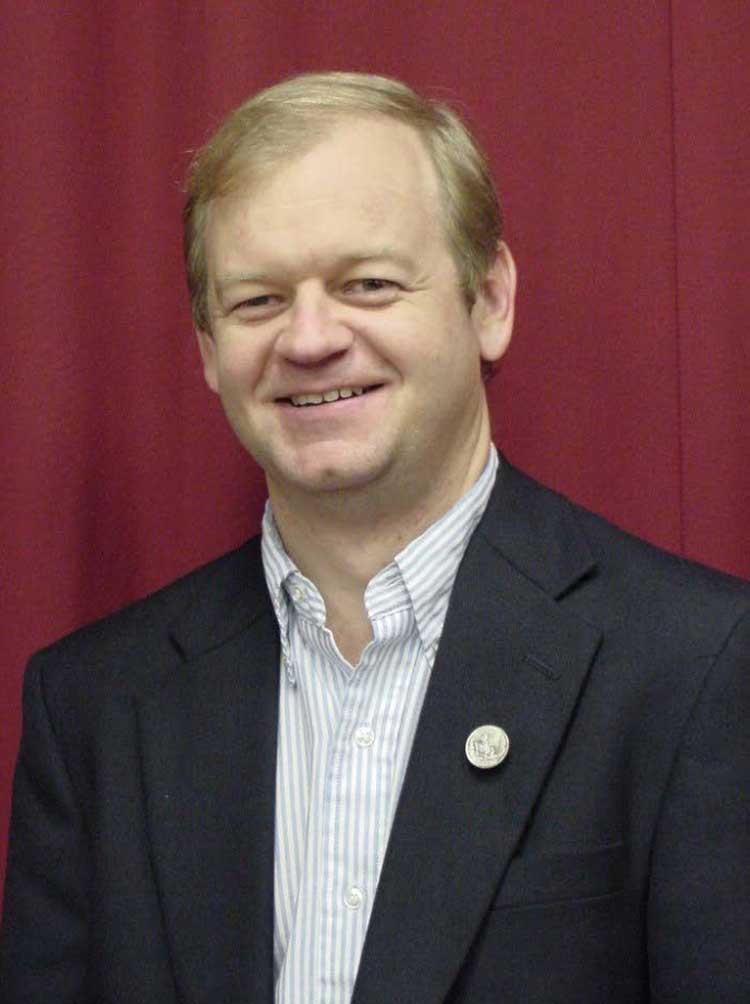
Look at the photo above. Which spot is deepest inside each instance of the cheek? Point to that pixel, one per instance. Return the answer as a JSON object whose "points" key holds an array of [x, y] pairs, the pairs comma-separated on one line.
{"points": [[426, 334], [239, 367], [449, 344]]}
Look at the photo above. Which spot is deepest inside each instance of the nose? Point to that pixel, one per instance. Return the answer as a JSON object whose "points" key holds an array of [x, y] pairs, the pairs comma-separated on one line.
{"points": [[312, 332]]}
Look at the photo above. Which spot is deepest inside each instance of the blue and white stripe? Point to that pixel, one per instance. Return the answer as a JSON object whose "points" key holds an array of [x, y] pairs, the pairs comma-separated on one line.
{"points": [[345, 734]]}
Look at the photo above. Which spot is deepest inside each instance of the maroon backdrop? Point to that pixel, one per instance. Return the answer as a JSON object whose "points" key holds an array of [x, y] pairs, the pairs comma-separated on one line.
{"points": [[618, 135]]}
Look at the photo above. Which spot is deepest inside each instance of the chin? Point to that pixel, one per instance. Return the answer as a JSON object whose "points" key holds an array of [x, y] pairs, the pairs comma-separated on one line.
{"points": [[336, 480], [325, 478]]}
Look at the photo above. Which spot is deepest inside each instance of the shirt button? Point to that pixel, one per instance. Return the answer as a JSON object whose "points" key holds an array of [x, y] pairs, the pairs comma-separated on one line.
{"points": [[297, 594], [364, 736], [353, 898]]}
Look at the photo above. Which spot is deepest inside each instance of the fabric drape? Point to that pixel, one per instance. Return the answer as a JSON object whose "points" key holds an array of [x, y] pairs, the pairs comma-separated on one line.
{"points": [[617, 135]]}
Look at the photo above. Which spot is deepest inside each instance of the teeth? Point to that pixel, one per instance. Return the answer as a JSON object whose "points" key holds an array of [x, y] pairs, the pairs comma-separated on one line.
{"points": [[329, 396]]}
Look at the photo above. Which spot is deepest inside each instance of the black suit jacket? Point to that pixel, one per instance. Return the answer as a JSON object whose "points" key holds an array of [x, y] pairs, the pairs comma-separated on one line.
{"points": [[606, 860]]}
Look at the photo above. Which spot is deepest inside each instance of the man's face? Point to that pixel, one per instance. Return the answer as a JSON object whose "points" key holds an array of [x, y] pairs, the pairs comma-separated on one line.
{"points": [[340, 342]]}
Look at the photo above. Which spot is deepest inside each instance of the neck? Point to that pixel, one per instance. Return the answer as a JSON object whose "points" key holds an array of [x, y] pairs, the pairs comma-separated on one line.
{"points": [[341, 539]]}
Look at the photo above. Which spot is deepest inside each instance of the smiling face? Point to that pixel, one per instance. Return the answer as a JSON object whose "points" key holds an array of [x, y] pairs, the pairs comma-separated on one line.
{"points": [[340, 343]]}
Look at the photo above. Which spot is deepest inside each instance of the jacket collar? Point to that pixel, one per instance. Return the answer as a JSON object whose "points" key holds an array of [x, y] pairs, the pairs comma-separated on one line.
{"points": [[225, 601], [208, 754], [536, 532], [510, 655]]}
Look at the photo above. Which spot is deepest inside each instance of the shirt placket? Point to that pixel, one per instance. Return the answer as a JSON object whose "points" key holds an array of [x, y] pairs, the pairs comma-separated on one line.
{"points": [[358, 803]]}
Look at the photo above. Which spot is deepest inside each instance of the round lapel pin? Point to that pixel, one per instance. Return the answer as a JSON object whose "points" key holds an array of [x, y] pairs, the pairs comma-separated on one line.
{"points": [[487, 746]]}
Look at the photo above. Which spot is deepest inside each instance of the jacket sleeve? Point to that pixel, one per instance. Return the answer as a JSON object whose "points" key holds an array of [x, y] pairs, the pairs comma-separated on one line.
{"points": [[699, 902], [44, 938]]}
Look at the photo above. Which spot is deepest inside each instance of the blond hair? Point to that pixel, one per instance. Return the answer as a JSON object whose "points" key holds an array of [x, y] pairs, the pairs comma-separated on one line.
{"points": [[284, 121]]}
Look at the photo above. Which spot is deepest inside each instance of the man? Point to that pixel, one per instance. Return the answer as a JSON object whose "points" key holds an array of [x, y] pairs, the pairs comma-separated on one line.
{"points": [[440, 735]]}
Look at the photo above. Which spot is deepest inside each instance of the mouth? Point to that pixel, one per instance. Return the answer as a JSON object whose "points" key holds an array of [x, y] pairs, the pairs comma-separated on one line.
{"points": [[312, 400]]}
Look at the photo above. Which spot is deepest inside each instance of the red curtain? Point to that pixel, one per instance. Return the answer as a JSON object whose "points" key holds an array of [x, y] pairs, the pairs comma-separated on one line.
{"points": [[618, 136]]}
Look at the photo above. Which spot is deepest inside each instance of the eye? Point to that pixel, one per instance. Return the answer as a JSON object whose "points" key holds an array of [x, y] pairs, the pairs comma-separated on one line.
{"points": [[371, 285], [265, 300], [258, 307], [371, 290]]}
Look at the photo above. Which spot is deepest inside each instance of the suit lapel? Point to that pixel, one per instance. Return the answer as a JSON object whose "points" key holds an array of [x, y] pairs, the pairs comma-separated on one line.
{"points": [[511, 656], [208, 742]]}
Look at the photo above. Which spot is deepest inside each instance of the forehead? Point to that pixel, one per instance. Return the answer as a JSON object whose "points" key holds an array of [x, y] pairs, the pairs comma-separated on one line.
{"points": [[368, 178]]}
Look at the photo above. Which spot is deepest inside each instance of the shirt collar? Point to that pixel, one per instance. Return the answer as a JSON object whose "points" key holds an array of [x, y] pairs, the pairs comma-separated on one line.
{"points": [[429, 564], [423, 572], [278, 568]]}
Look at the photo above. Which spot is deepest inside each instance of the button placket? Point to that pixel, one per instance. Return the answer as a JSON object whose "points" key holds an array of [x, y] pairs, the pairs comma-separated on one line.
{"points": [[353, 898], [364, 736]]}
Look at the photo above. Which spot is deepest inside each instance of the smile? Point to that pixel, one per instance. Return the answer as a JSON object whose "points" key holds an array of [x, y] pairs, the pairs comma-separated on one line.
{"points": [[328, 396]]}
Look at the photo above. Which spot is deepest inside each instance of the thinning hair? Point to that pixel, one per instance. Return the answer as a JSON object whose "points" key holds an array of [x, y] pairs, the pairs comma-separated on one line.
{"points": [[284, 121]]}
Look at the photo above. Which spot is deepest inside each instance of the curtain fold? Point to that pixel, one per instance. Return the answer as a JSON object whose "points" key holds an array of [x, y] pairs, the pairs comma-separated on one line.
{"points": [[618, 138]]}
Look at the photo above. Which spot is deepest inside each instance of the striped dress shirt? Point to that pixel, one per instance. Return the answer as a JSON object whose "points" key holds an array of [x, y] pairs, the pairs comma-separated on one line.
{"points": [[345, 734]]}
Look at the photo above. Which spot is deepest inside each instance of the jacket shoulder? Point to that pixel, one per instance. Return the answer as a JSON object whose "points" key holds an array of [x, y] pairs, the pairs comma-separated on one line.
{"points": [[669, 589], [128, 647], [631, 581]]}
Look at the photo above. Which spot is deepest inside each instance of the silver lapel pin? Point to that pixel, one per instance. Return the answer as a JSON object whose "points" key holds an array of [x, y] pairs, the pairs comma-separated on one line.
{"points": [[487, 746]]}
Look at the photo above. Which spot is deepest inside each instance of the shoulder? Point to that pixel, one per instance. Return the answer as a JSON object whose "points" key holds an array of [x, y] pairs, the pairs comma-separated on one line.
{"points": [[628, 582], [653, 589], [130, 649]]}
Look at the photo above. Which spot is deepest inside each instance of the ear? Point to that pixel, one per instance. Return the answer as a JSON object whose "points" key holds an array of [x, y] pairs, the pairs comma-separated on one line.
{"points": [[207, 347], [492, 312]]}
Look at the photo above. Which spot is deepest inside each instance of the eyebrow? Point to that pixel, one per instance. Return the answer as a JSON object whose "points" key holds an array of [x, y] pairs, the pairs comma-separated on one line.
{"points": [[384, 253], [344, 262], [235, 278]]}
